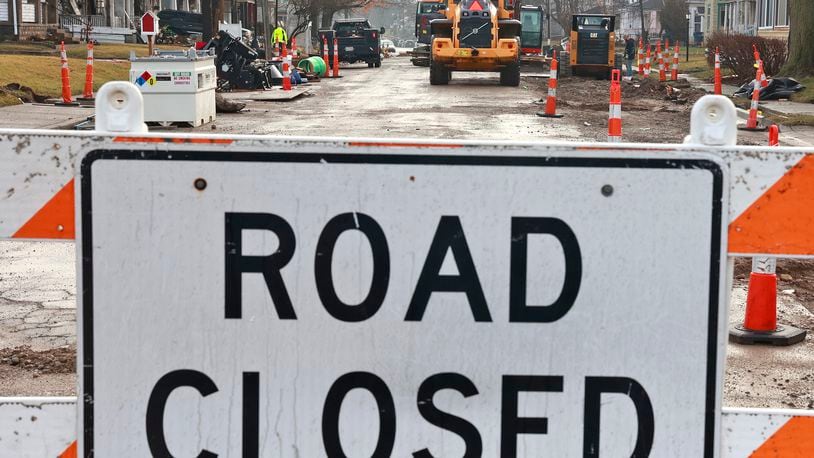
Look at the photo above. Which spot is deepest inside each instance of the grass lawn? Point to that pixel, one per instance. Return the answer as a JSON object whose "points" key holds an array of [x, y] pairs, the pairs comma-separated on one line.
{"points": [[807, 94], [79, 51], [697, 65], [42, 74]]}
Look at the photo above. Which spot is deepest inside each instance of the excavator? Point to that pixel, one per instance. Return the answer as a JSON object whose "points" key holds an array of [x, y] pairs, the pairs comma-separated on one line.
{"points": [[476, 36]]}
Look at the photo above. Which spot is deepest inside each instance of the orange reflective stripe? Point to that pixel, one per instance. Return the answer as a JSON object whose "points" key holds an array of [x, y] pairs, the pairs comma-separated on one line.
{"points": [[69, 452], [779, 214], [55, 220], [795, 438]]}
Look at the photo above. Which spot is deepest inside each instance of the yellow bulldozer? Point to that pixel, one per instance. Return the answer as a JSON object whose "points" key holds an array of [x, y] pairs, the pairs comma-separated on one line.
{"points": [[476, 36]]}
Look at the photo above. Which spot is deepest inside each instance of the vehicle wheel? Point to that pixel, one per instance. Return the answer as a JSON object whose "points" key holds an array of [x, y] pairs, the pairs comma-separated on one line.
{"points": [[370, 65], [377, 64], [510, 75], [438, 74]]}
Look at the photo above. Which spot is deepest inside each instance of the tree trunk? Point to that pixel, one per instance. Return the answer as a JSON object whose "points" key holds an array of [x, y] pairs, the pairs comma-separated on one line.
{"points": [[209, 28], [641, 16], [801, 37], [327, 19]]}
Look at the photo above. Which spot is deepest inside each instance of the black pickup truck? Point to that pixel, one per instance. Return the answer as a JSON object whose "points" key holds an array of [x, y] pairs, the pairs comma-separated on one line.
{"points": [[357, 41]]}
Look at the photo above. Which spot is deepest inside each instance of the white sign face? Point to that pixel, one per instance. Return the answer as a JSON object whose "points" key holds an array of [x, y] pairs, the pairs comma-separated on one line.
{"points": [[288, 304]]}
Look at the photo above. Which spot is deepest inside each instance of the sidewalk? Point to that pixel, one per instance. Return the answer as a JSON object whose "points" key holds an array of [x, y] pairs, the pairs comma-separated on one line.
{"points": [[42, 116], [801, 136]]}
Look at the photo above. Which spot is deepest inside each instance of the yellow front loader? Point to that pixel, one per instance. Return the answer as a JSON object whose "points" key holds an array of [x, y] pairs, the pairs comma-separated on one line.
{"points": [[476, 36]]}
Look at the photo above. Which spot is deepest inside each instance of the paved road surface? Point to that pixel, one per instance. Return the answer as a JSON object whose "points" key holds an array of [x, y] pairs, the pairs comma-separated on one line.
{"points": [[397, 100]]}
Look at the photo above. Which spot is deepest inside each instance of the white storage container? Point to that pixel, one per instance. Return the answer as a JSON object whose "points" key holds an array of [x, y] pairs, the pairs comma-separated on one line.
{"points": [[178, 86]]}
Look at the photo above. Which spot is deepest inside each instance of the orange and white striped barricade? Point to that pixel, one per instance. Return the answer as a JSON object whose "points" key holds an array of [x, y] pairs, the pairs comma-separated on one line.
{"points": [[67, 97], [640, 58], [760, 320], [88, 93], [551, 99], [674, 67], [615, 108], [717, 85], [335, 66]]}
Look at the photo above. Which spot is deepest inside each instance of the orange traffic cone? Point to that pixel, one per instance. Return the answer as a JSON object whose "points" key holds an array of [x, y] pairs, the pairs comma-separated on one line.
{"points": [[336, 59], [325, 56], [718, 90], [647, 61], [88, 93], [764, 82], [615, 111], [286, 70], [774, 135], [760, 323], [67, 98], [641, 58], [551, 101], [662, 68], [751, 122], [674, 67]]}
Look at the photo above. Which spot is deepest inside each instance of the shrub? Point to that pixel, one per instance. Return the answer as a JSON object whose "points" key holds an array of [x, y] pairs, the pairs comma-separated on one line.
{"points": [[737, 54]]}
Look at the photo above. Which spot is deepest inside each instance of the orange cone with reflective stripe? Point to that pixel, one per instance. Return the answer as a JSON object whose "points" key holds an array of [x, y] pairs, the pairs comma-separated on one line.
{"points": [[764, 82], [325, 56], [88, 93], [647, 61], [67, 98], [336, 59], [674, 68], [551, 100], [286, 70], [615, 110], [774, 135], [751, 122], [760, 321], [662, 69], [718, 90], [641, 58]]}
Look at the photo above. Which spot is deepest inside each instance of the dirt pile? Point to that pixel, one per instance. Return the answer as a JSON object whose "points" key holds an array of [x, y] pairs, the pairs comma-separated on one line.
{"points": [[56, 361], [24, 93], [680, 91]]}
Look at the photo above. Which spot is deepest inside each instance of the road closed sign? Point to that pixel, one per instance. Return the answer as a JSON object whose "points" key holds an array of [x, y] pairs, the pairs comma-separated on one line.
{"points": [[423, 302]]}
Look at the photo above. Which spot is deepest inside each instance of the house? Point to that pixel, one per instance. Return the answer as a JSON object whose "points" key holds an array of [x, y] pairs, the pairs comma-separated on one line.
{"points": [[696, 10], [629, 20], [773, 19], [730, 16], [27, 18]]}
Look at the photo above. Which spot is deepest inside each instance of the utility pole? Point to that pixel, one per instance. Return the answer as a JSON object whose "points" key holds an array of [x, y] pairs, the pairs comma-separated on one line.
{"points": [[267, 29], [548, 17], [276, 14]]}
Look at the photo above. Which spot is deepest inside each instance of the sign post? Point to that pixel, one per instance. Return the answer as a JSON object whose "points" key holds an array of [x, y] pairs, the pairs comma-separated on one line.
{"points": [[149, 29], [255, 302]]}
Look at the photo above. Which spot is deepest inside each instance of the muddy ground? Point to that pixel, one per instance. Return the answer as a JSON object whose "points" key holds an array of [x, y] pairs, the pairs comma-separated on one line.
{"points": [[397, 101]]}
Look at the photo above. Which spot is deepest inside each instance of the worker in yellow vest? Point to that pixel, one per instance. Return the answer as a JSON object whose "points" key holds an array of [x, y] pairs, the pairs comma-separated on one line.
{"points": [[279, 36]]}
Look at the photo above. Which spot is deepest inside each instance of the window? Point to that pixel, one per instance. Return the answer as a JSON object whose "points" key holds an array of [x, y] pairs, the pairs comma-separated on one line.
{"points": [[3, 10], [782, 13]]}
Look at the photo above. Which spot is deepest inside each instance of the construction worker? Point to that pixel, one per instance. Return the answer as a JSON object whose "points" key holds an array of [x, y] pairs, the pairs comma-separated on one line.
{"points": [[630, 54], [279, 36]]}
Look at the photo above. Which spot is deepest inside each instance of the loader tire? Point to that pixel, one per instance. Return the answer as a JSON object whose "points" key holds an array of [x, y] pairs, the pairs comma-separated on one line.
{"points": [[510, 75], [438, 74]]}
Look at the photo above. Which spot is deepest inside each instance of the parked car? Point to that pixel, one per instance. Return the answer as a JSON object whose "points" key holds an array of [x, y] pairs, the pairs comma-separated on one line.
{"points": [[388, 46]]}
